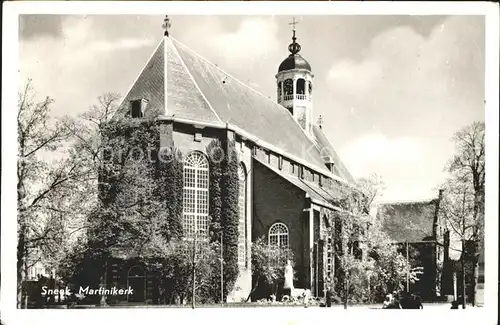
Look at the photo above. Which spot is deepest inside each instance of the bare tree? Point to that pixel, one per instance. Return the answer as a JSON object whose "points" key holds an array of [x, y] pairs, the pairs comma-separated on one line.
{"points": [[372, 188], [47, 180], [355, 227], [351, 226], [463, 207], [457, 208]]}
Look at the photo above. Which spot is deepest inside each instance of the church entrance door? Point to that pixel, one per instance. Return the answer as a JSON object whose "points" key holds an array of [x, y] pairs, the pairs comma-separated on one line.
{"points": [[137, 281]]}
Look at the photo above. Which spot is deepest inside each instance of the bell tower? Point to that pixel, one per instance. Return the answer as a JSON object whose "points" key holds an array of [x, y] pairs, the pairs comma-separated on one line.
{"points": [[294, 81]]}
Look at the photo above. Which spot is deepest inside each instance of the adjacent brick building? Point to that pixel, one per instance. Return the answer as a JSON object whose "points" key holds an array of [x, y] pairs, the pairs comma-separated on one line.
{"points": [[416, 228]]}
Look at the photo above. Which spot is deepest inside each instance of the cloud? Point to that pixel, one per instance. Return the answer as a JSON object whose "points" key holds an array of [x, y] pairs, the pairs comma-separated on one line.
{"points": [[405, 76], [250, 44], [254, 40], [75, 67], [36, 25], [402, 101], [348, 75], [122, 44], [405, 164], [380, 153]]}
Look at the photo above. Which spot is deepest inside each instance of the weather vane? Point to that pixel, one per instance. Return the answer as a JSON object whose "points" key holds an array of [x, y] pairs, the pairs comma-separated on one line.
{"points": [[166, 24]]}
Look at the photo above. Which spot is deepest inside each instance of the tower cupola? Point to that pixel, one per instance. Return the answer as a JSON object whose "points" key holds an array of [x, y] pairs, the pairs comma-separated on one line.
{"points": [[294, 60], [294, 83]]}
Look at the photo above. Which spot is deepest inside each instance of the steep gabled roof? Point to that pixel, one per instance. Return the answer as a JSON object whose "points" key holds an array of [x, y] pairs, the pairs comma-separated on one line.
{"points": [[199, 91], [149, 84], [185, 100], [407, 221]]}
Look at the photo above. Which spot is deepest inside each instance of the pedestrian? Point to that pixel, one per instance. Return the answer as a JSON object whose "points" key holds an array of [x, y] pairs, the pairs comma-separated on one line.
{"points": [[391, 302], [51, 284], [329, 296], [387, 301], [306, 296]]}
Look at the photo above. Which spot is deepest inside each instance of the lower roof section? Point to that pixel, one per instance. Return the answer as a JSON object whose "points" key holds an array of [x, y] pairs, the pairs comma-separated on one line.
{"points": [[312, 190]]}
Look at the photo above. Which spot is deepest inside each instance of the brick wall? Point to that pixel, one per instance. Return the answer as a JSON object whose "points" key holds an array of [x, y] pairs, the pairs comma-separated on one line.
{"points": [[117, 276], [184, 138], [276, 200]]}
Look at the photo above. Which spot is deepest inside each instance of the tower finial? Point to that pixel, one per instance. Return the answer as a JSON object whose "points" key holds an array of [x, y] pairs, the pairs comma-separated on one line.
{"points": [[320, 122], [294, 48], [166, 25]]}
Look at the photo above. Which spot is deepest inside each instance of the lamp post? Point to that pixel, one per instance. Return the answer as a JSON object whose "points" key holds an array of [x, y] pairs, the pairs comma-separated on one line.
{"points": [[463, 274], [221, 272], [193, 298], [463, 260], [408, 269]]}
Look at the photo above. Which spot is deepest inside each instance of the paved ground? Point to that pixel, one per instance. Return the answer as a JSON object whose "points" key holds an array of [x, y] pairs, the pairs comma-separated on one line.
{"points": [[433, 306], [426, 306]]}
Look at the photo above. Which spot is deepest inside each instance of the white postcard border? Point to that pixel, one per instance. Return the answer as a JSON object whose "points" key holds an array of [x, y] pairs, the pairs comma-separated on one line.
{"points": [[9, 313]]}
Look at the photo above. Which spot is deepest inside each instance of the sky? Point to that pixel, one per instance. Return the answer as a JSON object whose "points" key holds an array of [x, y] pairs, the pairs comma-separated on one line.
{"points": [[391, 90]]}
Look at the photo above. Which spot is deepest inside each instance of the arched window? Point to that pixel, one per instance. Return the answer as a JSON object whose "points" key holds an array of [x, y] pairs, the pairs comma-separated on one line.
{"points": [[280, 90], [301, 87], [310, 85], [136, 279], [242, 249], [288, 87], [136, 271], [278, 235], [195, 215]]}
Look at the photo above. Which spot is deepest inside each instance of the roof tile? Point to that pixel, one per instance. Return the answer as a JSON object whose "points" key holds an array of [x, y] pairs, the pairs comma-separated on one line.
{"points": [[407, 221], [149, 85]]}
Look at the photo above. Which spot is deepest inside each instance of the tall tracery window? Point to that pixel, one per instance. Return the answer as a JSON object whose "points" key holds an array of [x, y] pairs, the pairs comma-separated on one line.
{"points": [[195, 214], [242, 249], [278, 235]]}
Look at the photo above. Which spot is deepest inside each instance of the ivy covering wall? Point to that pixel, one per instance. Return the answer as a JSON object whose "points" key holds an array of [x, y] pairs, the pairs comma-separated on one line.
{"points": [[224, 208], [216, 156], [141, 211], [230, 217], [169, 180]]}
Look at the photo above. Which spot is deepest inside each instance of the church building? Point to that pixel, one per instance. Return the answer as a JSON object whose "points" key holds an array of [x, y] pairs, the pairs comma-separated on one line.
{"points": [[290, 175]]}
